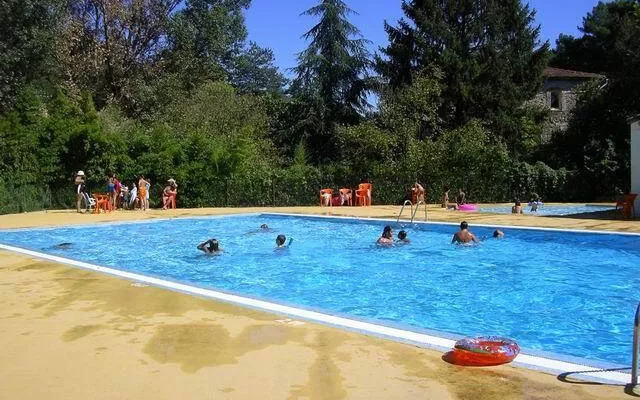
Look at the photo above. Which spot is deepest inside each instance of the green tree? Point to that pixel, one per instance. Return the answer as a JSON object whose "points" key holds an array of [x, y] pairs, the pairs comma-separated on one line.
{"points": [[596, 144], [609, 41], [487, 51], [253, 71], [331, 74], [27, 37], [205, 38], [107, 45]]}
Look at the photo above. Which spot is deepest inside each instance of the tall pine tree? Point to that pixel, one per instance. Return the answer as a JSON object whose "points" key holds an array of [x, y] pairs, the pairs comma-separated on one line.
{"points": [[487, 50], [331, 75]]}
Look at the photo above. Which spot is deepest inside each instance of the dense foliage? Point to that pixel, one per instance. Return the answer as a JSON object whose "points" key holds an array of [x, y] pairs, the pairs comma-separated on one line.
{"points": [[487, 51], [170, 88], [597, 141]]}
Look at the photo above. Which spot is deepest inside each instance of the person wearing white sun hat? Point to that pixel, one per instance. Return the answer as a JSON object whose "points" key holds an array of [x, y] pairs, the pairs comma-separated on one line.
{"points": [[80, 189]]}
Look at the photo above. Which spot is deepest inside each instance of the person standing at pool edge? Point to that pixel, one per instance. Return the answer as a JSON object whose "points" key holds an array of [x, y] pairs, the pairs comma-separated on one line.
{"points": [[80, 189], [464, 235]]}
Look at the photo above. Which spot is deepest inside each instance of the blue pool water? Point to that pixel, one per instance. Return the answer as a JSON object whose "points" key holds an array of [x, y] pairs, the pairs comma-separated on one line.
{"points": [[566, 293], [549, 209]]}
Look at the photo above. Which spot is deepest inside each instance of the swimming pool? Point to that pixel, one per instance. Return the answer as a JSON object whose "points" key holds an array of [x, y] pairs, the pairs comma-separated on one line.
{"points": [[565, 293], [549, 209]]}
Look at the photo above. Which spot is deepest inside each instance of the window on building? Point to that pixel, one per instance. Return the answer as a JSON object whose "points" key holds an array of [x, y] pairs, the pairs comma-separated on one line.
{"points": [[555, 97]]}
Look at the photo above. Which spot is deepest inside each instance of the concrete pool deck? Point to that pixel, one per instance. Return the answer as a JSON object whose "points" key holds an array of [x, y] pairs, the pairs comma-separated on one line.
{"points": [[70, 333]]}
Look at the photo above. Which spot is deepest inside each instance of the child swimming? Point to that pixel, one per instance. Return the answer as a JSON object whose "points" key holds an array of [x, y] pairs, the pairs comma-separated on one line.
{"points": [[280, 242], [402, 237]]}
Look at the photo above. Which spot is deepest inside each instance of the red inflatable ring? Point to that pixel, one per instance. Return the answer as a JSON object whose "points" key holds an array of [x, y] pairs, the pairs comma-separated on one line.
{"points": [[483, 351]]}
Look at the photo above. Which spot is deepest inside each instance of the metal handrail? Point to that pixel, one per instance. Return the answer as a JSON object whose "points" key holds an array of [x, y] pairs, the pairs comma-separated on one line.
{"points": [[416, 210], [402, 209], [636, 347]]}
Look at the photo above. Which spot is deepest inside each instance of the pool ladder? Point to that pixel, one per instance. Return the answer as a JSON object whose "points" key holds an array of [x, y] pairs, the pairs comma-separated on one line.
{"points": [[413, 211]]}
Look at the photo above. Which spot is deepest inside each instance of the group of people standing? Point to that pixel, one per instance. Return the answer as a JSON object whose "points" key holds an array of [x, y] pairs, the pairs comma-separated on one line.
{"points": [[123, 196]]}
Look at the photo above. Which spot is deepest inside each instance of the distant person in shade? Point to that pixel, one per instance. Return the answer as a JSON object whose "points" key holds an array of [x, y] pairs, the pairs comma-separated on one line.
{"points": [[464, 235], [210, 246], [461, 198]]}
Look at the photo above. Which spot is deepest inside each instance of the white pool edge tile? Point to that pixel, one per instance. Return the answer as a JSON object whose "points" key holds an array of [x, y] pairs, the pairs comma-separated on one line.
{"points": [[419, 339], [524, 227]]}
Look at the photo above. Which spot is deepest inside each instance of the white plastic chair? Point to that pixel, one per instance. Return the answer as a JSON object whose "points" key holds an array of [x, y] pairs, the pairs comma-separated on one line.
{"points": [[89, 202]]}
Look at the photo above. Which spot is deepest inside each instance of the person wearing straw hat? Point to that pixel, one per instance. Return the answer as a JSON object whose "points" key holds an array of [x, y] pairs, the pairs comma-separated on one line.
{"points": [[80, 189], [169, 193]]}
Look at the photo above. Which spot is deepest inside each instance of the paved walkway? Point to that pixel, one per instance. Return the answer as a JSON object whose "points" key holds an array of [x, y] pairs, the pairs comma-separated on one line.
{"points": [[72, 334]]}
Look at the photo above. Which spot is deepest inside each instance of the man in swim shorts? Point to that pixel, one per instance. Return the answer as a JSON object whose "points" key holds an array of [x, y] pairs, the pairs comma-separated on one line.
{"points": [[464, 235]]}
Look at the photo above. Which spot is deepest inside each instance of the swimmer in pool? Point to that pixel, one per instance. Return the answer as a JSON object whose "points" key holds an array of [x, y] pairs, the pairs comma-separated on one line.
{"points": [[64, 245], [281, 240], [263, 229], [211, 246], [386, 239], [498, 234], [464, 235], [402, 237]]}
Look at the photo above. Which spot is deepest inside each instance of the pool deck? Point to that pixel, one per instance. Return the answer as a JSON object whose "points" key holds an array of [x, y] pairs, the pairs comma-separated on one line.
{"points": [[68, 333]]}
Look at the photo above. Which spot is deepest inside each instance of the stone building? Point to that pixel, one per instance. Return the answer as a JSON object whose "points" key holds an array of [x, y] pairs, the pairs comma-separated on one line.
{"points": [[559, 97]]}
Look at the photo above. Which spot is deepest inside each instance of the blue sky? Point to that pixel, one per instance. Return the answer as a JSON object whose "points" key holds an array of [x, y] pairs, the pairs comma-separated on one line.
{"points": [[277, 24]]}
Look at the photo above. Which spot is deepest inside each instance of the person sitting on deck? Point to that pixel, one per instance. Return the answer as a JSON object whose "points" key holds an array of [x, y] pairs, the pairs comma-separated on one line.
{"points": [[169, 194], [464, 235], [445, 201]]}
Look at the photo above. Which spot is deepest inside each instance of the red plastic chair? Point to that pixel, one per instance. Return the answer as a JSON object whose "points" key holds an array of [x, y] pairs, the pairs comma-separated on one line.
{"points": [[102, 202], [348, 193], [363, 194], [626, 204], [323, 193]]}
